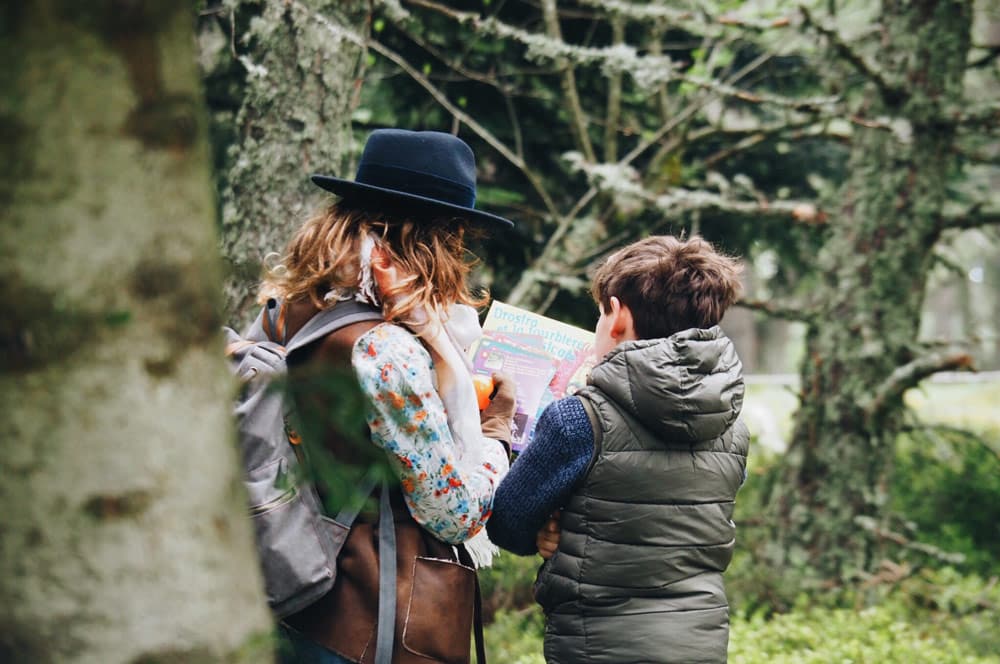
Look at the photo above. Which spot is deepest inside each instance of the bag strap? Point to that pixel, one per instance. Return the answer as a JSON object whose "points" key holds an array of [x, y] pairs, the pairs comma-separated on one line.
{"points": [[330, 320], [386, 630], [386, 580], [477, 612], [271, 325], [274, 329]]}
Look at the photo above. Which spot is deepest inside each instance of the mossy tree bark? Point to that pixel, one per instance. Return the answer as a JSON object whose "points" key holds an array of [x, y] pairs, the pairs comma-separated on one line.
{"points": [[124, 536], [294, 120], [862, 351]]}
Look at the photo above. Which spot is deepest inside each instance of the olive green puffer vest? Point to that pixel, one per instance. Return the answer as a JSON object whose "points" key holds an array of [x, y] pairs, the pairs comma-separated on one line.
{"points": [[648, 533]]}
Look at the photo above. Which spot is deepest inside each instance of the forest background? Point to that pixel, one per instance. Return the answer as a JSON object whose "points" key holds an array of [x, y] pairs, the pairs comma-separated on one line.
{"points": [[846, 150]]}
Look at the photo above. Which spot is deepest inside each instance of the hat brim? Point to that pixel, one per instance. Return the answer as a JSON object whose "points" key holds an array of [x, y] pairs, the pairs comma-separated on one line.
{"points": [[351, 190]]}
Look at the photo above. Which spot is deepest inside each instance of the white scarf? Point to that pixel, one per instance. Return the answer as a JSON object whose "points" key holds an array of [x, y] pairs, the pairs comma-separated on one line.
{"points": [[448, 336]]}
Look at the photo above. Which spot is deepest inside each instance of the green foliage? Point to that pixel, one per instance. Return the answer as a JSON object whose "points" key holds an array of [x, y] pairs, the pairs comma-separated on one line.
{"points": [[936, 616], [330, 400], [947, 485], [515, 637], [508, 583], [879, 634]]}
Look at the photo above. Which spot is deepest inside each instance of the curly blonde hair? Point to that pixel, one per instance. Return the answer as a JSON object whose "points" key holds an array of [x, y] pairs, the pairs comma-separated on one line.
{"points": [[324, 254]]}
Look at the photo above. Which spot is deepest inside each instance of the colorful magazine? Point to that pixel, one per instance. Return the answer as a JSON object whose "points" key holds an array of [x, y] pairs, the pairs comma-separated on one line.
{"points": [[546, 358]]}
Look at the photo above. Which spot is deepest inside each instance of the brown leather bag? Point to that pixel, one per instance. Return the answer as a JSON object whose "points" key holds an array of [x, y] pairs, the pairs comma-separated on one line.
{"points": [[437, 598]]}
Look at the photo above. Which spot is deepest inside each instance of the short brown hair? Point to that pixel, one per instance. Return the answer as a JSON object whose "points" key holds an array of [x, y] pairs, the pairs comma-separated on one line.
{"points": [[669, 284], [324, 254]]}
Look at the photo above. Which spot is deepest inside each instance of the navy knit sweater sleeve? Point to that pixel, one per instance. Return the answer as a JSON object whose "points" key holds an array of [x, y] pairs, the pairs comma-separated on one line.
{"points": [[541, 478]]}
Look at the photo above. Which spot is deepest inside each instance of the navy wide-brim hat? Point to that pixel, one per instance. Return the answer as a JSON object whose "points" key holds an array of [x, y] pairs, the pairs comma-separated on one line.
{"points": [[428, 172]]}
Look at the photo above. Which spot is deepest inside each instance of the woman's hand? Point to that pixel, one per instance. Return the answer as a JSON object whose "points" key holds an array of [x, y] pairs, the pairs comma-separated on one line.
{"points": [[495, 418], [547, 539]]}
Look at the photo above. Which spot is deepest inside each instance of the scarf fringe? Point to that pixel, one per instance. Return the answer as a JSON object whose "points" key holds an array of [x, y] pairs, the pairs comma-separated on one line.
{"points": [[481, 550]]}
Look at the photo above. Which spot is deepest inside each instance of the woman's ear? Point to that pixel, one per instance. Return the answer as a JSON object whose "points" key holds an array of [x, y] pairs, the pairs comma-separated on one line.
{"points": [[383, 271]]}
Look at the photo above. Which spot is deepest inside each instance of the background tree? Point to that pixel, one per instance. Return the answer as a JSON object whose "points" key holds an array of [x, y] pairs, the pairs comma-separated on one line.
{"points": [[124, 530], [831, 130], [281, 86]]}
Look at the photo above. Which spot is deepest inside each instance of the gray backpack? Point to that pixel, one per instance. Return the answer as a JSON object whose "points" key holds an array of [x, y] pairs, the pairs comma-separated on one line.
{"points": [[296, 542]]}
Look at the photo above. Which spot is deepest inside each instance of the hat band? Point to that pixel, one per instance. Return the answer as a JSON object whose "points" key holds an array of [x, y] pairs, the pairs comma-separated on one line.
{"points": [[416, 183]]}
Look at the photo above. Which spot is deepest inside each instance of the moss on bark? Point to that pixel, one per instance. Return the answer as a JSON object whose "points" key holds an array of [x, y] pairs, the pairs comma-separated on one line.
{"points": [[294, 120], [875, 268]]}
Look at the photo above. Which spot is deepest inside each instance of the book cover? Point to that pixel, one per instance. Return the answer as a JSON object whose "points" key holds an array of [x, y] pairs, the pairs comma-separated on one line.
{"points": [[547, 359], [532, 370]]}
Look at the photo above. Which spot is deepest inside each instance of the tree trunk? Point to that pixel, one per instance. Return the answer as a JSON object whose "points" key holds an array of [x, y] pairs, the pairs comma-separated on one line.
{"points": [[294, 121], [124, 536], [876, 264]]}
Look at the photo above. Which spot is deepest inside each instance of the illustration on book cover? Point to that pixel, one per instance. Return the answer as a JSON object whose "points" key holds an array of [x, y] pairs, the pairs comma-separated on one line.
{"points": [[547, 359]]}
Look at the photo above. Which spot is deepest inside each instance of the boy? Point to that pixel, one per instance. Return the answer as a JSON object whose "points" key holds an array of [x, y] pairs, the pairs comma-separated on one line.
{"points": [[643, 465]]}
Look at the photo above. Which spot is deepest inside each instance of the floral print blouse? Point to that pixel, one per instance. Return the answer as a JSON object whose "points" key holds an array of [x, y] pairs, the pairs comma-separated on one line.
{"points": [[448, 493]]}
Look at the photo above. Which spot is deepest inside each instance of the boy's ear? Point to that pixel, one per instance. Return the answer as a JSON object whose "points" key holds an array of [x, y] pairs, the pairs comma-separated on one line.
{"points": [[622, 325]]}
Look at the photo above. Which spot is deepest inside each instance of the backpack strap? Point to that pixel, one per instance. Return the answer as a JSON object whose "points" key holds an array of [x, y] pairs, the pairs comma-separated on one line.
{"points": [[330, 320], [477, 616], [274, 329], [386, 580]]}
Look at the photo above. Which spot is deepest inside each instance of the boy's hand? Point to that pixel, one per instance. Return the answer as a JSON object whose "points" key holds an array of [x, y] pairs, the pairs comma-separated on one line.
{"points": [[547, 539], [495, 418]]}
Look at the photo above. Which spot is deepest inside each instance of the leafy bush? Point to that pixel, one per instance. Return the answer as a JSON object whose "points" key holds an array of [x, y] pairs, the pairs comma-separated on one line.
{"points": [[938, 616], [515, 637], [508, 583], [947, 485], [820, 636]]}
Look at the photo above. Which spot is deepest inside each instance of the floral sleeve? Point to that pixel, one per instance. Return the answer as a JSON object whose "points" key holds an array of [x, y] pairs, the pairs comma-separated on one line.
{"points": [[450, 495]]}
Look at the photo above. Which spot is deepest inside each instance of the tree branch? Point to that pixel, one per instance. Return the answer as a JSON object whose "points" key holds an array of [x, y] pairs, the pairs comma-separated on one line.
{"points": [[889, 91], [746, 139], [678, 202], [986, 117], [613, 116], [646, 13], [992, 52], [814, 105], [954, 432], [869, 524], [442, 99], [568, 83], [910, 374], [974, 217], [778, 309], [529, 277]]}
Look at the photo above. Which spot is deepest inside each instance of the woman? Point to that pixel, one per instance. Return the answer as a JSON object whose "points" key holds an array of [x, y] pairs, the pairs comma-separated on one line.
{"points": [[395, 241]]}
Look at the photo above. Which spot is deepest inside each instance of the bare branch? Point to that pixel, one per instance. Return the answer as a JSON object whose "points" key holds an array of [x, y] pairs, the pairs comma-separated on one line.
{"points": [[746, 139], [530, 276], [678, 203], [613, 116], [778, 309], [663, 13], [814, 105], [986, 117], [890, 92], [936, 430], [869, 524], [974, 217], [442, 99], [568, 83], [991, 53], [910, 374], [984, 156]]}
